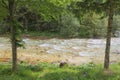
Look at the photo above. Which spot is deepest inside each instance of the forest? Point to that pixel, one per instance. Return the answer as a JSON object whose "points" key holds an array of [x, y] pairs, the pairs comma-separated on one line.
{"points": [[59, 39]]}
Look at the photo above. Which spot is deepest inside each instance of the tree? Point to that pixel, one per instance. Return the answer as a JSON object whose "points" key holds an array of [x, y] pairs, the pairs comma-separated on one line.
{"points": [[106, 7], [9, 6], [47, 8], [16, 41], [109, 31], [11, 11]]}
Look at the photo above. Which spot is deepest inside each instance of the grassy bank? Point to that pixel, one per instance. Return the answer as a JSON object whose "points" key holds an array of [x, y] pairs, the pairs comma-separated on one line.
{"points": [[45, 71], [44, 35], [47, 35], [37, 35]]}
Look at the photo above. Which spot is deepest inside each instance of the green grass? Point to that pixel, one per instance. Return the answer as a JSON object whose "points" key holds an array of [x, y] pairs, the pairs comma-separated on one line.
{"points": [[43, 34], [46, 71], [47, 35]]}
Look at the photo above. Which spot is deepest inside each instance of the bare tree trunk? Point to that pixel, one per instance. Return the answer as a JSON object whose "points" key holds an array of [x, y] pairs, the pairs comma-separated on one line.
{"points": [[13, 32], [109, 31]]}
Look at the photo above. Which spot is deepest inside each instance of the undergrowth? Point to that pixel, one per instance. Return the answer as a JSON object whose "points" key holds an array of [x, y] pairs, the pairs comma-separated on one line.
{"points": [[46, 71]]}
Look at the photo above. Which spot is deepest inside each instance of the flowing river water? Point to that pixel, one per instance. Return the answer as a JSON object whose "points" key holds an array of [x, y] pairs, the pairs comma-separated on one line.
{"points": [[74, 51]]}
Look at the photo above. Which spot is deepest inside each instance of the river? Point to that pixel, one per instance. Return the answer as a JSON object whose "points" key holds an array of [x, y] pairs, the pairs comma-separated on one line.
{"points": [[74, 51]]}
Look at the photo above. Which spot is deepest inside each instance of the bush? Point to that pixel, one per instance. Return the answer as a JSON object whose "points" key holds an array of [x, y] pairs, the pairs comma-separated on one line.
{"points": [[4, 27], [93, 27], [116, 25], [69, 26]]}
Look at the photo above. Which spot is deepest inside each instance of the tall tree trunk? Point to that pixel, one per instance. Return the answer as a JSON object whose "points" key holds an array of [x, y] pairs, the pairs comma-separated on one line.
{"points": [[13, 32], [109, 31]]}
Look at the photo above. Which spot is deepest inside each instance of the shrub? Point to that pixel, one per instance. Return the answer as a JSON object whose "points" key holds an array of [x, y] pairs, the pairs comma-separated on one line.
{"points": [[93, 27], [69, 26]]}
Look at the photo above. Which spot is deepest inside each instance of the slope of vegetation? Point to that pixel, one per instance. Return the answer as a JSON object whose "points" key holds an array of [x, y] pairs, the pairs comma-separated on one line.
{"points": [[45, 71]]}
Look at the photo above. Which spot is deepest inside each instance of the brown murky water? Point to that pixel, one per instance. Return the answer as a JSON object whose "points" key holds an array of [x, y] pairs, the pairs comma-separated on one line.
{"points": [[73, 51]]}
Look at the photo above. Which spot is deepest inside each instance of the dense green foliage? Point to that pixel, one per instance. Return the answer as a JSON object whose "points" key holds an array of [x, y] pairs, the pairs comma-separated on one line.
{"points": [[45, 71], [69, 26], [65, 17]]}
